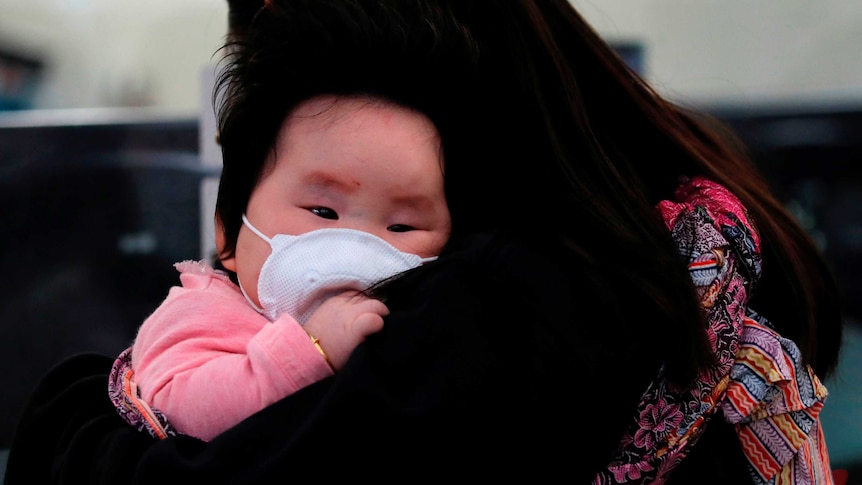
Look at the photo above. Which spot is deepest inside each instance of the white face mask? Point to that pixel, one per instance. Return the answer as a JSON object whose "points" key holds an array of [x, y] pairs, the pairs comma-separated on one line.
{"points": [[304, 270]]}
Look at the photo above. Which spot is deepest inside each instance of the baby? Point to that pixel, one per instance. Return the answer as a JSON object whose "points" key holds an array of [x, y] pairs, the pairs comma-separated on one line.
{"points": [[352, 194]]}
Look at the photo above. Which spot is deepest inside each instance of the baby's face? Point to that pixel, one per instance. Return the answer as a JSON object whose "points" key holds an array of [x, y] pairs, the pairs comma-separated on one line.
{"points": [[348, 163]]}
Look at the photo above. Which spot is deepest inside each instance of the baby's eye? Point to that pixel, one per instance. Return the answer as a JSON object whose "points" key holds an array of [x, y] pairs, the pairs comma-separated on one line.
{"points": [[400, 228], [324, 212]]}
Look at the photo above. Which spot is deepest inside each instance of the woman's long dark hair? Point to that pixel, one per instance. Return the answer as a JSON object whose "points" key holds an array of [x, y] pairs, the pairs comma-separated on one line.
{"points": [[546, 133]]}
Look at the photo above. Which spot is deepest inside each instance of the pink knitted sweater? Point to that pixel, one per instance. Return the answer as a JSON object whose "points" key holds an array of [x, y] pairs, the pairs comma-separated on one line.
{"points": [[207, 359]]}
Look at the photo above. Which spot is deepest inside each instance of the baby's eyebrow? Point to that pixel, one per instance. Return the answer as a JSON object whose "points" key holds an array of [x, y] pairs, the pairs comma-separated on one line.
{"points": [[326, 180], [414, 201]]}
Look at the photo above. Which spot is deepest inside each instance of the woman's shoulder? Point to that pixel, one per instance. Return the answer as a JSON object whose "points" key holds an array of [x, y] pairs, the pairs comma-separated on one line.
{"points": [[511, 326]]}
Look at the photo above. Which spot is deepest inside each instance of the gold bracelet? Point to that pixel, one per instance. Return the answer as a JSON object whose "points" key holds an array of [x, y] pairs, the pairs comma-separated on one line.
{"points": [[316, 342]]}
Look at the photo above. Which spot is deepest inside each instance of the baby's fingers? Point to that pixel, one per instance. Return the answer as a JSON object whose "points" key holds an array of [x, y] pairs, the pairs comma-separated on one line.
{"points": [[364, 303], [367, 324]]}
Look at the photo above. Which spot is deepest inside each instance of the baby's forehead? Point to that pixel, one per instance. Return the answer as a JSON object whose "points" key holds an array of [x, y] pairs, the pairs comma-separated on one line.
{"points": [[325, 112], [331, 107]]}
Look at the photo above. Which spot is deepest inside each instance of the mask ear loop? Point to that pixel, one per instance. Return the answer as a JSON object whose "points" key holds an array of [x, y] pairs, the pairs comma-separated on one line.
{"points": [[262, 236], [255, 230], [248, 299]]}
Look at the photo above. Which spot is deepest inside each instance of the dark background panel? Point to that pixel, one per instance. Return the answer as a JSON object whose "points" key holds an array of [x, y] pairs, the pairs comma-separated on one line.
{"points": [[92, 217]]}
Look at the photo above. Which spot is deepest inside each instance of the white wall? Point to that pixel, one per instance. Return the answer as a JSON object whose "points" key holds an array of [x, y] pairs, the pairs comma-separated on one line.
{"points": [[123, 52], [742, 50], [117, 52]]}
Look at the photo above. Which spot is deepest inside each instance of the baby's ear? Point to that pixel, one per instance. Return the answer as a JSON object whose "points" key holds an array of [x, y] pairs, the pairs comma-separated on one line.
{"points": [[228, 263]]}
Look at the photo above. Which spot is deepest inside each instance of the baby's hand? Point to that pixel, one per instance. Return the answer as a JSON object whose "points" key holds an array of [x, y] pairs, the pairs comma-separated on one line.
{"points": [[342, 322]]}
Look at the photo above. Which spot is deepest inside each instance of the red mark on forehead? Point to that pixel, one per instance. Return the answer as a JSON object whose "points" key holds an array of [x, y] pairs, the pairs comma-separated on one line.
{"points": [[331, 181]]}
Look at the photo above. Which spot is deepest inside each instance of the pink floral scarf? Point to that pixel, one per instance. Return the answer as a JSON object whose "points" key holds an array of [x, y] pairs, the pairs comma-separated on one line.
{"points": [[759, 384]]}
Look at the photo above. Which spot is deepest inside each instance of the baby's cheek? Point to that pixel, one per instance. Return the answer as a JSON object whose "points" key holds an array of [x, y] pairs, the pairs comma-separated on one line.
{"points": [[433, 244], [423, 243]]}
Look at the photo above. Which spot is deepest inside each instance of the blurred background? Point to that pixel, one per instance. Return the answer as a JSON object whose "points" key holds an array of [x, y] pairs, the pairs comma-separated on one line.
{"points": [[108, 161]]}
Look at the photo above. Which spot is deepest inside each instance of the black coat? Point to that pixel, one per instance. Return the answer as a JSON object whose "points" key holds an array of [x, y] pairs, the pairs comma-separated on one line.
{"points": [[495, 362]]}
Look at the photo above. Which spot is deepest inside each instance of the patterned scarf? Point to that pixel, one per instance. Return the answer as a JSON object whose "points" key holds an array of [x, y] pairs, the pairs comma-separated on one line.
{"points": [[759, 383]]}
